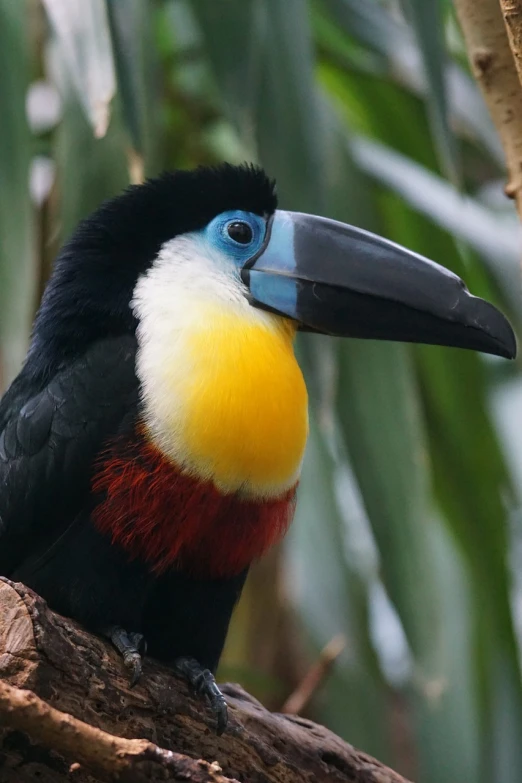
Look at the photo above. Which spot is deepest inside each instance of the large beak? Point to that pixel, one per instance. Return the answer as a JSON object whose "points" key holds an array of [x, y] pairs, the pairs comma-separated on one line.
{"points": [[340, 280]]}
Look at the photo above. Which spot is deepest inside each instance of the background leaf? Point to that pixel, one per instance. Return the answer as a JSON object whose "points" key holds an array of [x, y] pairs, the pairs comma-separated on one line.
{"points": [[428, 23], [82, 31], [133, 46], [17, 228]]}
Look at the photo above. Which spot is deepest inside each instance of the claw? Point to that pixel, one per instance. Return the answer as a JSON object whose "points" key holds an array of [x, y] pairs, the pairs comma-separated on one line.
{"points": [[132, 647], [220, 710], [207, 686], [132, 660], [204, 684], [140, 643]]}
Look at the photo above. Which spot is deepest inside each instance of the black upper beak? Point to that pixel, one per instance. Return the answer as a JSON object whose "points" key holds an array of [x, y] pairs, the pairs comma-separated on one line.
{"points": [[337, 279]]}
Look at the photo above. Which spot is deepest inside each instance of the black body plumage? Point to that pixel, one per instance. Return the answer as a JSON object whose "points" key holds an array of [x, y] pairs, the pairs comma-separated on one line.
{"points": [[78, 389]]}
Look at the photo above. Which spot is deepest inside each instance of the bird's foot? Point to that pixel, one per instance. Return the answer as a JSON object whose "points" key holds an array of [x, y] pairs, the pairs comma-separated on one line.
{"points": [[132, 647], [204, 684]]}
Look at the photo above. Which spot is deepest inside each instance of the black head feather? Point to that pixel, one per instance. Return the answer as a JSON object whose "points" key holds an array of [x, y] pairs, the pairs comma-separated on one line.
{"points": [[89, 291]]}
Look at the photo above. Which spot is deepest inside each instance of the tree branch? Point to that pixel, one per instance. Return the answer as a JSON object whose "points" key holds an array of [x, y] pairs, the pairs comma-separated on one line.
{"points": [[109, 758], [84, 713], [299, 700], [512, 13], [494, 68]]}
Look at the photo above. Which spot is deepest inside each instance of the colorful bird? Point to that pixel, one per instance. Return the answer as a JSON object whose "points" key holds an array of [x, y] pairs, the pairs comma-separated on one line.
{"points": [[151, 445]]}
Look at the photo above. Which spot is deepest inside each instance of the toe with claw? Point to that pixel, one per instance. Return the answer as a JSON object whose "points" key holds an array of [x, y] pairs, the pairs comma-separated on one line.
{"points": [[204, 684], [132, 647]]}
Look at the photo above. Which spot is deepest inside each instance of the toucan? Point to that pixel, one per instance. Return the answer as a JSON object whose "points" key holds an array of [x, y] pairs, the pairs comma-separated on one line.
{"points": [[151, 445]]}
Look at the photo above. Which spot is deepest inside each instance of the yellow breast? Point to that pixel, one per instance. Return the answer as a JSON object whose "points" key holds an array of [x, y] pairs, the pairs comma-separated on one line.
{"points": [[239, 407]]}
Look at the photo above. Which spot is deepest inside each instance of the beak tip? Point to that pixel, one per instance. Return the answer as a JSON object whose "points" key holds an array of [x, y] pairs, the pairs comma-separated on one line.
{"points": [[511, 349], [495, 327], [504, 345], [505, 352]]}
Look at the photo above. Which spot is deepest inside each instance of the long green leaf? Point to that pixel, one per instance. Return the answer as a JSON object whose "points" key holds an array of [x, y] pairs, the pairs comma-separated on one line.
{"points": [[473, 486], [428, 24], [17, 237], [89, 169], [375, 26], [446, 714], [272, 43], [472, 483], [133, 44], [236, 67], [358, 702], [382, 427], [289, 112], [381, 423], [370, 23]]}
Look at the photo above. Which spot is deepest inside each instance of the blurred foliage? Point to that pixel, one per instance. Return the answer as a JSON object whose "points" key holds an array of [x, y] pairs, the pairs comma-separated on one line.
{"points": [[407, 537]]}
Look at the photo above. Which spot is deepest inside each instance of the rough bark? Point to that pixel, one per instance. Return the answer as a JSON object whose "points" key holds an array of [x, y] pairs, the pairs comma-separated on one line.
{"points": [[512, 13], [167, 734], [494, 68]]}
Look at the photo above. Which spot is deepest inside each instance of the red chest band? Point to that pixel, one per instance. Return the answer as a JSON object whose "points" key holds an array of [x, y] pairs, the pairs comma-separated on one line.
{"points": [[161, 515]]}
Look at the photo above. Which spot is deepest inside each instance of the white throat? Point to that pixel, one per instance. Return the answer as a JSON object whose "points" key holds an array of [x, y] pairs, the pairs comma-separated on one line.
{"points": [[223, 396]]}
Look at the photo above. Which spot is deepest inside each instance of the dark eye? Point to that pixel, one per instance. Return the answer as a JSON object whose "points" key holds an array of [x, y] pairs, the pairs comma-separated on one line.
{"points": [[240, 232]]}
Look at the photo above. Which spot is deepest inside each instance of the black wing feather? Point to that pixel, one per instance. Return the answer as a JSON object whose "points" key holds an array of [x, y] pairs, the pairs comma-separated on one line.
{"points": [[50, 438]]}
